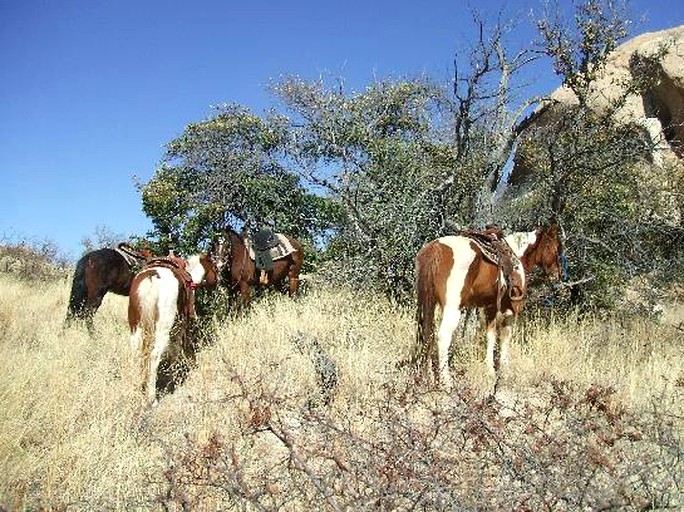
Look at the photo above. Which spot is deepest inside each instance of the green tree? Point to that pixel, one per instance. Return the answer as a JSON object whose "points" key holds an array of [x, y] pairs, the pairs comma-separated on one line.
{"points": [[228, 170], [406, 160]]}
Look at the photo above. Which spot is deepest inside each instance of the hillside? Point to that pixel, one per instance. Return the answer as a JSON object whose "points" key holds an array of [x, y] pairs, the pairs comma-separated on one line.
{"points": [[592, 416]]}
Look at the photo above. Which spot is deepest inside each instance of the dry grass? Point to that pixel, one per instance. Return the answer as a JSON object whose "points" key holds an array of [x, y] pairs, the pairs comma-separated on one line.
{"points": [[76, 434]]}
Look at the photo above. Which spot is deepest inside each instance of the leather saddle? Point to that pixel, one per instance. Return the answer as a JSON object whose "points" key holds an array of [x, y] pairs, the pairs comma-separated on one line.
{"points": [[264, 240]]}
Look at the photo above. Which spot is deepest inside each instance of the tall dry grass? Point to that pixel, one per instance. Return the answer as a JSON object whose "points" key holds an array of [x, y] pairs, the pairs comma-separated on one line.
{"points": [[246, 429]]}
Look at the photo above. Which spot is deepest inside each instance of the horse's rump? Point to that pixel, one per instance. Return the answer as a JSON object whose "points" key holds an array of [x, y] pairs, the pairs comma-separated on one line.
{"points": [[433, 266]]}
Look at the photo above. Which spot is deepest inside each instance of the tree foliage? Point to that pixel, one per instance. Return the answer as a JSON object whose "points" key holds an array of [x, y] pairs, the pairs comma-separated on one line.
{"points": [[372, 175], [406, 160], [229, 170]]}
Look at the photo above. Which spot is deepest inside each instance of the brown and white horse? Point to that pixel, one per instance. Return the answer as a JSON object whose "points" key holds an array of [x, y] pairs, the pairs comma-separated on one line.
{"points": [[453, 273], [160, 309]]}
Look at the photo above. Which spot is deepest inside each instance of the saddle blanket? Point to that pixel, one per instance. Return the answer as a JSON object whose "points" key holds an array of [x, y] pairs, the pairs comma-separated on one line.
{"points": [[265, 259]]}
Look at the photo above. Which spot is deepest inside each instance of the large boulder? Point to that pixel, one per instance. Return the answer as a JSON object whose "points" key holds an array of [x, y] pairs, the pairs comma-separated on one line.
{"points": [[658, 110]]}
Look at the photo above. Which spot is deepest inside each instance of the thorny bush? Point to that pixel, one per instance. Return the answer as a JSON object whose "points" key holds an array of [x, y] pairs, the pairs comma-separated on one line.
{"points": [[561, 448]]}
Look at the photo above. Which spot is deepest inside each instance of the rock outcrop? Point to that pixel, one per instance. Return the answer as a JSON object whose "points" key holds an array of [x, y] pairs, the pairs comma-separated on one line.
{"points": [[659, 110]]}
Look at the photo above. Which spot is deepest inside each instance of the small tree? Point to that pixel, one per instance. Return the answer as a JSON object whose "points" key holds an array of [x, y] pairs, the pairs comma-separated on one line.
{"points": [[406, 160], [583, 166], [228, 170]]}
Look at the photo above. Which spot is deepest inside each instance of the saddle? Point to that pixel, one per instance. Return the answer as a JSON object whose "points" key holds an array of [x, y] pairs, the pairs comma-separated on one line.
{"points": [[492, 243], [264, 240], [177, 266], [265, 247], [134, 258]]}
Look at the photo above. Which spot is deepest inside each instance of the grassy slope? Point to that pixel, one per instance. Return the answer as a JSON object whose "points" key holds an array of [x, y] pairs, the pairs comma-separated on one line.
{"points": [[75, 432]]}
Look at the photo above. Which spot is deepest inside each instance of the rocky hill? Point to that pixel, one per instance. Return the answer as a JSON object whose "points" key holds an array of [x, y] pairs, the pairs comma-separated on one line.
{"points": [[658, 111]]}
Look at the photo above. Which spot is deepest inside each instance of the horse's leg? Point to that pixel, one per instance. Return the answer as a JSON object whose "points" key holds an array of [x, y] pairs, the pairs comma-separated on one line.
{"points": [[136, 340], [245, 294], [491, 336], [93, 303], [161, 343], [293, 283], [505, 334], [138, 349], [450, 318], [167, 311]]}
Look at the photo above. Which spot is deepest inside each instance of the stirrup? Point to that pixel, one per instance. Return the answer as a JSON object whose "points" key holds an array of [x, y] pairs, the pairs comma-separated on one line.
{"points": [[263, 279]]}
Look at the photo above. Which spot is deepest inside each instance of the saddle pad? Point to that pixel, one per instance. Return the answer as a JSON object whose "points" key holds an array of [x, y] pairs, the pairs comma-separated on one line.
{"points": [[283, 249], [133, 258]]}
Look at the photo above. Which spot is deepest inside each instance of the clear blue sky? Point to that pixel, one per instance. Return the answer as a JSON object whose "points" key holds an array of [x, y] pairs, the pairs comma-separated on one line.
{"points": [[91, 90]]}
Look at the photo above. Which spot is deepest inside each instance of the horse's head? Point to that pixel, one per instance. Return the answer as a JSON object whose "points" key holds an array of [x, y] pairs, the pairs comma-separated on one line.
{"points": [[202, 269], [549, 253], [211, 272], [221, 251]]}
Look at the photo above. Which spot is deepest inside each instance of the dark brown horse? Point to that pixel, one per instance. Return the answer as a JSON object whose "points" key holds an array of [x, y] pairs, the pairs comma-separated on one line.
{"points": [[98, 272], [236, 260], [459, 273]]}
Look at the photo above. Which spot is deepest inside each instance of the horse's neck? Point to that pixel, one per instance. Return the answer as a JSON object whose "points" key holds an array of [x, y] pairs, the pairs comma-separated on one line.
{"points": [[521, 243], [195, 269]]}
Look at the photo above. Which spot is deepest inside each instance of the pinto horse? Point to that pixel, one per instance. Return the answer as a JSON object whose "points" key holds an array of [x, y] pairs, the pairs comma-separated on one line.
{"points": [[161, 308], [238, 269], [454, 273], [98, 272]]}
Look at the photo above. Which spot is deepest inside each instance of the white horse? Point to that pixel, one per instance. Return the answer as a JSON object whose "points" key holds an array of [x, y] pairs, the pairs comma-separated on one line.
{"points": [[454, 273], [160, 309]]}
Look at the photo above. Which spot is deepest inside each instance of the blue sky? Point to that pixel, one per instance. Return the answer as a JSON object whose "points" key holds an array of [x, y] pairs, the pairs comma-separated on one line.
{"points": [[91, 90]]}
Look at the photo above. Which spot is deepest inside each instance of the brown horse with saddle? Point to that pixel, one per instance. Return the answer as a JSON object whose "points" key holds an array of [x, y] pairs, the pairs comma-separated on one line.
{"points": [[264, 259], [98, 272]]}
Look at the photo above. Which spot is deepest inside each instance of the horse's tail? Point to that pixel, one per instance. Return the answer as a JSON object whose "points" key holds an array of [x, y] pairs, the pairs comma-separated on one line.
{"points": [[146, 307], [79, 292], [142, 318], [426, 295]]}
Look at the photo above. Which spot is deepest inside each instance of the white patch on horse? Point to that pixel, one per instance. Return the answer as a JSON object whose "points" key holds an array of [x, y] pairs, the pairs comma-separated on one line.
{"points": [[519, 242], [195, 269], [463, 256]]}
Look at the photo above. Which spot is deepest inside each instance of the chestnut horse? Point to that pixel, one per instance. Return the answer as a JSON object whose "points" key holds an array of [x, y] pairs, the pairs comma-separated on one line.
{"points": [[98, 272], [455, 273], [238, 269], [161, 308]]}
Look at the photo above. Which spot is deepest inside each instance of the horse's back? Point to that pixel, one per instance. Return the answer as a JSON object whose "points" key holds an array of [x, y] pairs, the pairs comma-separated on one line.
{"points": [[445, 263], [107, 270]]}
